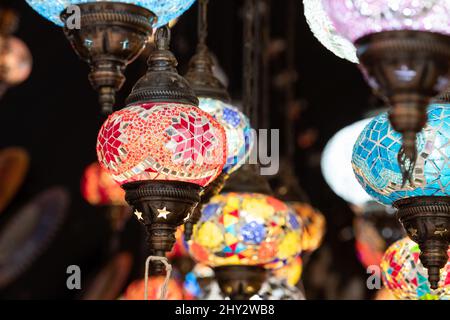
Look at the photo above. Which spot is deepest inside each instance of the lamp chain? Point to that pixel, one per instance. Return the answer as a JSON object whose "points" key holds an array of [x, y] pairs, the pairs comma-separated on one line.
{"points": [[163, 293], [202, 23], [248, 59]]}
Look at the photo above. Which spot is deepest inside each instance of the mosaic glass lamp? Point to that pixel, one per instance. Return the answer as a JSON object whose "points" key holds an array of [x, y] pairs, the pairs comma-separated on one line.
{"points": [[162, 148], [15, 57], [405, 276], [423, 206], [336, 164], [245, 233], [314, 225], [111, 34], [323, 29], [165, 11], [404, 50], [214, 99]]}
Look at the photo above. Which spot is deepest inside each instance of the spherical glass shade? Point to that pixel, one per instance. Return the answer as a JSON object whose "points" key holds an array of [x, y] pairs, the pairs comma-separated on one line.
{"points": [[375, 158], [405, 276], [246, 229], [98, 188], [164, 10], [135, 291], [314, 225], [356, 18], [162, 141], [323, 29], [291, 273], [336, 164], [237, 129], [15, 61]]}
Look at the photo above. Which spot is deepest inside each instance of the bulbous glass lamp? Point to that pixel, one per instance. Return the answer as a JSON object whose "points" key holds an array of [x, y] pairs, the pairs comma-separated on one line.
{"points": [[110, 34], [245, 233], [99, 189], [136, 290], [423, 206], [404, 50], [165, 11], [336, 164], [162, 148], [405, 276], [323, 29]]}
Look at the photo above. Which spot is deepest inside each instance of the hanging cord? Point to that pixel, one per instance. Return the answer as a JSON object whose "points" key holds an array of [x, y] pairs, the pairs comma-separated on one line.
{"points": [[256, 42], [266, 83], [248, 54], [202, 24], [163, 293], [291, 66]]}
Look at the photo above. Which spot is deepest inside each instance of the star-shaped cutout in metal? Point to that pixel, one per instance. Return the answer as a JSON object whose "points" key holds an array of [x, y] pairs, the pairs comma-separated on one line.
{"points": [[138, 214], [163, 213], [412, 232]]}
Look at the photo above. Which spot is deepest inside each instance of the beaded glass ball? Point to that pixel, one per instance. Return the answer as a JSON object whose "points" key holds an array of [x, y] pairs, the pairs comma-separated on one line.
{"points": [[246, 229], [164, 10], [375, 158], [405, 276], [323, 29], [356, 18], [237, 127], [98, 188], [162, 141]]}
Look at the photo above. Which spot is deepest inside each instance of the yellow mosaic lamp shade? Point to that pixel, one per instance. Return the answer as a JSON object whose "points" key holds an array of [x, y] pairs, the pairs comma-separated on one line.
{"points": [[249, 229], [314, 225]]}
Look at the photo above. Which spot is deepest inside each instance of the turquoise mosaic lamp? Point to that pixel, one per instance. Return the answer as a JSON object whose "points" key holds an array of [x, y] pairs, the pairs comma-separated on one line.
{"points": [[423, 205]]}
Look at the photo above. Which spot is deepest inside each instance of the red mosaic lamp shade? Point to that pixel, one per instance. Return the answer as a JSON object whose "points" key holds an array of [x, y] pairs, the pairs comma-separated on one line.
{"points": [[99, 189], [162, 141]]}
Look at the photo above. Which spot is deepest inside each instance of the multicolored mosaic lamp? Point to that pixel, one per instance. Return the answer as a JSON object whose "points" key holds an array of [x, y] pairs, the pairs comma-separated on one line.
{"points": [[162, 148], [112, 34], [241, 235], [424, 206], [405, 276], [314, 225], [404, 49], [215, 100], [15, 57]]}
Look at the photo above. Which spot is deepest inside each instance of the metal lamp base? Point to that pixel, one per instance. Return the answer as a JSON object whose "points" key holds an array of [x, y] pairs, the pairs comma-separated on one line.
{"points": [[240, 282], [112, 35], [407, 68], [427, 222], [162, 206]]}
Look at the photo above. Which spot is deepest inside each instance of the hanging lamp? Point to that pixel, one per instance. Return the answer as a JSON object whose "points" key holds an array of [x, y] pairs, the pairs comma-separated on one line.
{"points": [[162, 148], [214, 99], [424, 207], [111, 35]]}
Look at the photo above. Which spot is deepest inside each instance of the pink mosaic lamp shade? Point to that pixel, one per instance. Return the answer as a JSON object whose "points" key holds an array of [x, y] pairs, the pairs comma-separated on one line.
{"points": [[355, 19], [162, 141]]}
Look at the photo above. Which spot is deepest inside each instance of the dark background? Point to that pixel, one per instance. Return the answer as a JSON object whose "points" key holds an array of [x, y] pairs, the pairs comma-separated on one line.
{"points": [[54, 115]]}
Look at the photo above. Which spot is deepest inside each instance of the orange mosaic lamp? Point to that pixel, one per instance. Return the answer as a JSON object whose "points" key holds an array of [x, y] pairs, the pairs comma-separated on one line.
{"points": [[99, 189], [314, 225], [135, 291], [162, 148]]}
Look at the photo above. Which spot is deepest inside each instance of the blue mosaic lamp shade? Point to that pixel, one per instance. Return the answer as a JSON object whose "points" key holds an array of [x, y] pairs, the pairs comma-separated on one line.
{"points": [[165, 10], [240, 137], [375, 162]]}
